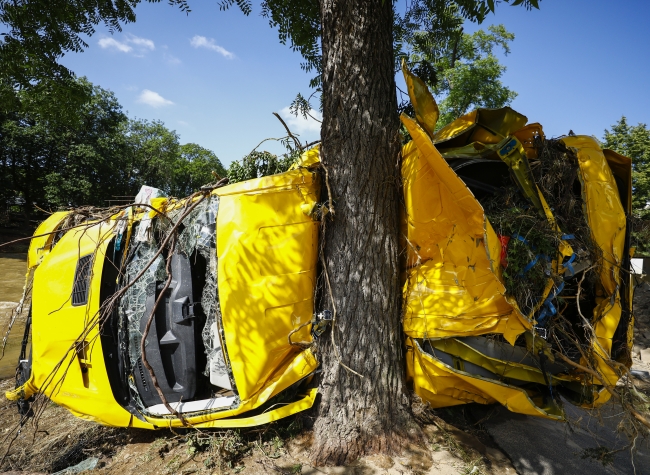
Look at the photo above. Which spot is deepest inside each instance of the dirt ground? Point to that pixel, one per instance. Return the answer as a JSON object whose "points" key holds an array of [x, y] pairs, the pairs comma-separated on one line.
{"points": [[456, 443], [60, 440]]}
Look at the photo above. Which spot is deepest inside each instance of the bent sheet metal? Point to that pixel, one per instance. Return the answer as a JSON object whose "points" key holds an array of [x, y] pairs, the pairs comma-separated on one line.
{"points": [[468, 338], [242, 279]]}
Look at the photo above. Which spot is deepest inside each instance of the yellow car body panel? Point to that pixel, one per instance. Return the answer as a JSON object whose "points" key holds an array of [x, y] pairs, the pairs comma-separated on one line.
{"points": [[425, 107], [41, 243], [451, 288], [67, 357], [267, 250], [483, 127], [441, 385], [607, 219], [453, 281]]}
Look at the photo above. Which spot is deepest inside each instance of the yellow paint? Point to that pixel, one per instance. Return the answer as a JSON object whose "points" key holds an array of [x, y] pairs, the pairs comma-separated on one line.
{"points": [[451, 288], [267, 250], [41, 244], [308, 159], [482, 126], [505, 369], [453, 278], [59, 328], [441, 385], [606, 216], [453, 285], [426, 109]]}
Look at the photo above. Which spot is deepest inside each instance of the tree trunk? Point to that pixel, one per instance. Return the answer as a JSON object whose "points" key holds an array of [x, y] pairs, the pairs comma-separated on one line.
{"points": [[360, 149]]}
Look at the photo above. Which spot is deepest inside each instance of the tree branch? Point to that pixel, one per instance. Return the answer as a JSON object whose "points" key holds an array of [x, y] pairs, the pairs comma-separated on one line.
{"points": [[298, 144]]}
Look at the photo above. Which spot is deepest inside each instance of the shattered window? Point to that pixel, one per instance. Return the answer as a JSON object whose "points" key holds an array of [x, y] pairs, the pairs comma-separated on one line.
{"points": [[197, 238], [133, 304]]}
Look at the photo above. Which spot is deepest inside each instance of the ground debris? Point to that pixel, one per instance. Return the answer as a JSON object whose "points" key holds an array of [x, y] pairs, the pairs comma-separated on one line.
{"points": [[88, 464], [61, 441], [57, 442]]}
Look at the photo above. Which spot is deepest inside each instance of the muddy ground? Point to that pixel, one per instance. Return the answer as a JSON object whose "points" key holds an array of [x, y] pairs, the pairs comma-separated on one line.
{"points": [[58, 440], [459, 439]]}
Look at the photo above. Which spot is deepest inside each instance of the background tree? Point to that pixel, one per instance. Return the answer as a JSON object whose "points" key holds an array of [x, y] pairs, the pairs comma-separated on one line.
{"points": [[56, 155], [153, 150], [83, 154], [633, 142], [194, 169], [472, 79], [259, 164], [461, 69]]}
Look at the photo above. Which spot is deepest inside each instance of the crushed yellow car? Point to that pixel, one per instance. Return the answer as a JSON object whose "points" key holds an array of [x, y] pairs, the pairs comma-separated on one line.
{"points": [[491, 314], [242, 279], [469, 338]]}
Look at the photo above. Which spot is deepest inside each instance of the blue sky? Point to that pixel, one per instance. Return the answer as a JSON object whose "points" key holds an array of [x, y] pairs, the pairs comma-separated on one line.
{"points": [[216, 77]]}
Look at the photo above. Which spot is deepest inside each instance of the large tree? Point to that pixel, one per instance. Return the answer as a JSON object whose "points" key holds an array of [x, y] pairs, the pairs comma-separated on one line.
{"points": [[56, 154], [364, 406], [360, 149]]}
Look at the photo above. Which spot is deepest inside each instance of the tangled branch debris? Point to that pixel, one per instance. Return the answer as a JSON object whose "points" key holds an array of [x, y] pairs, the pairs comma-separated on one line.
{"points": [[532, 242]]}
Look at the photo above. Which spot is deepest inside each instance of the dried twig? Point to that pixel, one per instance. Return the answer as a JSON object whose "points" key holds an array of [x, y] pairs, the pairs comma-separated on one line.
{"points": [[301, 344], [107, 214], [296, 141], [637, 415]]}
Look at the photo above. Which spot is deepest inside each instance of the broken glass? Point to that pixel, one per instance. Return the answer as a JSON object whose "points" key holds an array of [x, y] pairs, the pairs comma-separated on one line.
{"points": [[199, 235]]}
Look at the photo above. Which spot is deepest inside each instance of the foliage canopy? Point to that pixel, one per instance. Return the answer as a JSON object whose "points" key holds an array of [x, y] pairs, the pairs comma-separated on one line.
{"points": [[40, 32], [55, 156], [462, 70], [634, 142]]}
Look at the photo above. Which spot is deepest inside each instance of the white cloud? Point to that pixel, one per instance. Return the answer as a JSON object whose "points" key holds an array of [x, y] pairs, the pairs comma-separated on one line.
{"points": [[153, 99], [112, 43], [299, 124], [171, 59], [130, 44], [203, 42], [143, 43]]}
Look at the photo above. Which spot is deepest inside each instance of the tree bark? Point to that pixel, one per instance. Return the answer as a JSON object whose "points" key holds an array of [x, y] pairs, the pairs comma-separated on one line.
{"points": [[360, 150]]}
